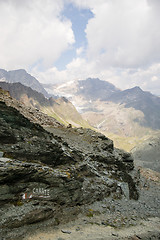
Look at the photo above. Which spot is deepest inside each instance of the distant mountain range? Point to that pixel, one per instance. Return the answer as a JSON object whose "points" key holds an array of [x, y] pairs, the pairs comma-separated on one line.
{"points": [[93, 89], [132, 113], [147, 103], [23, 77]]}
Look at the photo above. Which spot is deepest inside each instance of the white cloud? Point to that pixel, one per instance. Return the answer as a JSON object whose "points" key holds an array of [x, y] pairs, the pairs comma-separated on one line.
{"points": [[77, 69], [32, 33], [154, 78], [79, 51], [87, 3], [124, 34], [80, 69], [123, 41]]}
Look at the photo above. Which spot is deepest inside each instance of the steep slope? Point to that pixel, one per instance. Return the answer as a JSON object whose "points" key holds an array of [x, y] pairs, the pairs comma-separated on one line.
{"points": [[143, 101], [147, 154], [52, 175], [60, 108], [23, 77], [94, 89], [34, 115]]}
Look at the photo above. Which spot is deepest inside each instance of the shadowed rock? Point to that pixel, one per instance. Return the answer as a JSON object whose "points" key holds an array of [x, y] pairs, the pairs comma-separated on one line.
{"points": [[44, 172]]}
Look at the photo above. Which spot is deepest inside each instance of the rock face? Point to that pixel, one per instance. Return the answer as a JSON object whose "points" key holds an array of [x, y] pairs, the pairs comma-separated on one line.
{"points": [[45, 172]]}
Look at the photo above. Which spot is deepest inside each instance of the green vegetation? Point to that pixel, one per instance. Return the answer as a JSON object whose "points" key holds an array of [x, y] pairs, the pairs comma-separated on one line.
{"points": [[90, 213], [66, 113], [126, 143]]}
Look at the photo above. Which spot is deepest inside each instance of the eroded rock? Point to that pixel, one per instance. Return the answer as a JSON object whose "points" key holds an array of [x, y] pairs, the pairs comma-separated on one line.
{"points": [[45, 172]]}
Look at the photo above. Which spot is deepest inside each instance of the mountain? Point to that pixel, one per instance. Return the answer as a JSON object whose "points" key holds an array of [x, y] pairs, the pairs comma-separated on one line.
{"points": [[89, 89], [60, 108], [143, 101], [93, 89], [49, 175], [49, 178], [23, 77], [128, 117]]}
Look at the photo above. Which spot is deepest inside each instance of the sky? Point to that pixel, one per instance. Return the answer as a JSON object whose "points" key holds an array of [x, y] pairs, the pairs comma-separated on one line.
{"points": [[64, 40]]}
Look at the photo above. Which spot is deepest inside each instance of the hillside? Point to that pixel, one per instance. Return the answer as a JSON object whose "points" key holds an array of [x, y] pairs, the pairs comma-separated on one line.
{"points": [[134, 98], [60, 108], [31, 113]]}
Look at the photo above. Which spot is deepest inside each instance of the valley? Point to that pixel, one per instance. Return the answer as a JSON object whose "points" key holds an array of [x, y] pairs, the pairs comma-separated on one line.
{"points": [[128, 117]]}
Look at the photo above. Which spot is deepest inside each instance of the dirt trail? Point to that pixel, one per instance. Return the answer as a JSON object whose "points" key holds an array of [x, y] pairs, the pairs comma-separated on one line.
{"points": [[149, 229]]}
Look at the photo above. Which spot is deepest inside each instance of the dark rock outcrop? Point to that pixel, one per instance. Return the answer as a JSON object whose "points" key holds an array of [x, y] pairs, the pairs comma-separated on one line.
{"points": [[45, 172]]}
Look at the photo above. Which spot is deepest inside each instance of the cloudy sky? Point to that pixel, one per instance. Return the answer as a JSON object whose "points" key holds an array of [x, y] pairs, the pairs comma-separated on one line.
{"points": [[64, 40]]}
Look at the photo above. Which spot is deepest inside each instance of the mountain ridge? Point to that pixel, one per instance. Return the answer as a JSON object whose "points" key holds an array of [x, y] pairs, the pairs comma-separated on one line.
{"points": [[31, 113], [93, 89], [23, 77], [75, 167], [141, 100], [60, 108], [131, 114], [96, 89]]}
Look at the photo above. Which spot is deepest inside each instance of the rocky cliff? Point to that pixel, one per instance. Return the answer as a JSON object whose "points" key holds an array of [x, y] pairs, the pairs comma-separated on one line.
{"points": [[50, 173]]}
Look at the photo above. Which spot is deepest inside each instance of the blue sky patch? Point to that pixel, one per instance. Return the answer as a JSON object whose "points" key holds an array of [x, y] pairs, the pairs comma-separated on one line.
{"points": [[79, 19]]}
